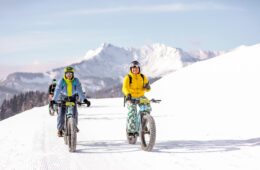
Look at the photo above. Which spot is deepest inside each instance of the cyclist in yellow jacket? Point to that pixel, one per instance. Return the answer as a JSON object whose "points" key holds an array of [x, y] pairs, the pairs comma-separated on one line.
{"points": [[134, 86]]}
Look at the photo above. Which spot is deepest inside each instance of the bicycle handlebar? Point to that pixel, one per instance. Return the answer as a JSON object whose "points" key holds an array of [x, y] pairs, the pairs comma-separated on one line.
{"points": [[61, 102], [155, 101], [151, 101]]}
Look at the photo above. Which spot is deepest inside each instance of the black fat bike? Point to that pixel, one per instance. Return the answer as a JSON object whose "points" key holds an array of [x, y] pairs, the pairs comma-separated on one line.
{"points": [[145, 125], [70, 127]]}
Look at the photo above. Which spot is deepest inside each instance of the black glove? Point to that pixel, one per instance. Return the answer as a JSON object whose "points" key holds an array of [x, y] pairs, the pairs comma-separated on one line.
{"points": [[128, 97], [147, 86], [87, 102], [53, 102]]}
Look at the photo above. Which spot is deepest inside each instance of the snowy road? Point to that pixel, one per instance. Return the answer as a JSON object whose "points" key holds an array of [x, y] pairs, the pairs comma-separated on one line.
{"points": [[29, 141]]}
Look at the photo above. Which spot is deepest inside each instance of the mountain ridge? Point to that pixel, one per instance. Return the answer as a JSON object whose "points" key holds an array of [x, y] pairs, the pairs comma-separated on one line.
{"points": [[105, 67]]}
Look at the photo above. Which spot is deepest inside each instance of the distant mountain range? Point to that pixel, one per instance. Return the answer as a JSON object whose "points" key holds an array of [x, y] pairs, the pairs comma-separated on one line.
{"points": [[104, 68]]}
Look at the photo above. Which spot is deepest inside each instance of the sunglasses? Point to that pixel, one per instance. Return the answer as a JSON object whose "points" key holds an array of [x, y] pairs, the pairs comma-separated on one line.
{"points": [[69, 73]]}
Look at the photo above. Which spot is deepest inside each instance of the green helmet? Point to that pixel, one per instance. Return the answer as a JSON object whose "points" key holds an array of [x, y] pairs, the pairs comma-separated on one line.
{"points": [[53, 81], [69, 69]]}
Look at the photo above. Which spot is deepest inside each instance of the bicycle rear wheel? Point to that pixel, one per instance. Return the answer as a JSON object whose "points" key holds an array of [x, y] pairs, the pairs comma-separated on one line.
{"points": [[147, 132], [72, 134], [51, 111]]}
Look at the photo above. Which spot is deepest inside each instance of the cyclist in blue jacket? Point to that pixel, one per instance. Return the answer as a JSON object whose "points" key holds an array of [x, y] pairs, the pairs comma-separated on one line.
{"points": [[66, 90]]}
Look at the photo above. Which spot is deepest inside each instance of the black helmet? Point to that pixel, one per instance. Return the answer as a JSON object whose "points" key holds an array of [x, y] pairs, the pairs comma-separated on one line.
{"points": [[134, 64]]}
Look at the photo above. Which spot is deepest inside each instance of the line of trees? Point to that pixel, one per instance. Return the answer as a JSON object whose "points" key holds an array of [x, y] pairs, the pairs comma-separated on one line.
{"points": [[22, 102]]}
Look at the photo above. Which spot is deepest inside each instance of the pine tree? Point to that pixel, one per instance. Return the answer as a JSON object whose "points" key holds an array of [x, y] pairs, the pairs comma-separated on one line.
{"points": [[22, 102]]}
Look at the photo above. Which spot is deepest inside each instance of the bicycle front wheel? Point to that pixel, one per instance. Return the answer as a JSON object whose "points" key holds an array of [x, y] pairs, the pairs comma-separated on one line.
{"points": [[72, 136], [51, 111], [147, 132]]}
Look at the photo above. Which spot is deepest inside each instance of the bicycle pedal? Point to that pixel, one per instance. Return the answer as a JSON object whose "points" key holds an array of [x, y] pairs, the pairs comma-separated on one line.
{"points": [[146, 132]]}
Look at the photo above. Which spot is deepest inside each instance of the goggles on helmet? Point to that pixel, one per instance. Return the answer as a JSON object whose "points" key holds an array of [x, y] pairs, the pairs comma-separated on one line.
{"points": [[134, 64], [69, 73]]}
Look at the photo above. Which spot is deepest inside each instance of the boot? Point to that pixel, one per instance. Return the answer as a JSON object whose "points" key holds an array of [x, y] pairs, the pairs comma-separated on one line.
{"points": [[59, 133]]}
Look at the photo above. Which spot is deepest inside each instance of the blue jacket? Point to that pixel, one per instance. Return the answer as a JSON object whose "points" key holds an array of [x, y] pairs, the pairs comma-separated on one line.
{"points": [[63, 90]]}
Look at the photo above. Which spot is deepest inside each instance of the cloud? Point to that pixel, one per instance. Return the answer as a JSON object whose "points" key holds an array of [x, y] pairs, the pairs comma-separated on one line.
{"points": [[36, 63], [35, 67], [30, 41], [174, 7]]}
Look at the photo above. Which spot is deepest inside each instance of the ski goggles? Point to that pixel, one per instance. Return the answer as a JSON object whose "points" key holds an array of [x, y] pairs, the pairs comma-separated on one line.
{"points": [[69, 73], [54, 82], [133, 65]]}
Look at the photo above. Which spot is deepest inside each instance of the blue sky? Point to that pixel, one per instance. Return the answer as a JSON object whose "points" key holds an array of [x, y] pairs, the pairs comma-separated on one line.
{"points": [[45, 31]]}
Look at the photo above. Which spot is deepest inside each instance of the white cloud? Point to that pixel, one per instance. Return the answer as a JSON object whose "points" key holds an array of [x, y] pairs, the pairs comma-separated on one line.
{"points": [[36, 62], [174, 7]]}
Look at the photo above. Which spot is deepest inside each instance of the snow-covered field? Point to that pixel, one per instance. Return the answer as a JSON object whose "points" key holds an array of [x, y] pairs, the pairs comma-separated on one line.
{"points": [[29, 141], [209, 119]]}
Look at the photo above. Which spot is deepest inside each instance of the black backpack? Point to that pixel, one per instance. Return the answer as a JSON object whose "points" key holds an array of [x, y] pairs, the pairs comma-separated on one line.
{"points": [[130, 78]]}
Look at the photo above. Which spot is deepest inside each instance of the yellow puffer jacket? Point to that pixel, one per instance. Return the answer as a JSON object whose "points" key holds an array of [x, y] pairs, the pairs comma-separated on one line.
{"points": [[136, 87]]}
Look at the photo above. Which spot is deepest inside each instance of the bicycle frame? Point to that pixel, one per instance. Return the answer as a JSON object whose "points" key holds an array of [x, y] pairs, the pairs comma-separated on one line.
{"points": [[141, 112], [70, 109]]}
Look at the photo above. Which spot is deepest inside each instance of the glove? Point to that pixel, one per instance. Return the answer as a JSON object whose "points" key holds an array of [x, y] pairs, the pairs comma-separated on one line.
{"points": [[79, 103], [128, 97], [53, 102], [147, 86], [87, 102]]}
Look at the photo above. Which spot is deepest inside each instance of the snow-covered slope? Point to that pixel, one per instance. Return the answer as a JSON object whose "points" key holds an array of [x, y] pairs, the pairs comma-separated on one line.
{"points": [[208, 119], [29, 141], [220, 92]]}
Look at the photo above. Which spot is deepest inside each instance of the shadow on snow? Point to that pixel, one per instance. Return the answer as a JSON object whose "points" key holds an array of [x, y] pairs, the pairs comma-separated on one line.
{"points": [[179, 146], [194, 146]]}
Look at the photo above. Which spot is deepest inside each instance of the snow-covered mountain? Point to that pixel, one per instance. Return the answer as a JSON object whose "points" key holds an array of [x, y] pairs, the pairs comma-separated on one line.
{"points": [[27, 81], [22, 82], [208, 119], [105, 67]]}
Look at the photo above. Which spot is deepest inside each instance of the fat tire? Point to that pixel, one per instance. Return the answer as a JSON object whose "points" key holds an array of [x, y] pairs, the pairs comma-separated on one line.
{"points": [[152, 129], [72, 134], [66, 139], [51, 111]]}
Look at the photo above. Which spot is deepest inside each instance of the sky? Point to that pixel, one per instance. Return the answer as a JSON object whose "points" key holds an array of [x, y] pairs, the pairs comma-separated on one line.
{"points": [[37, 35]]}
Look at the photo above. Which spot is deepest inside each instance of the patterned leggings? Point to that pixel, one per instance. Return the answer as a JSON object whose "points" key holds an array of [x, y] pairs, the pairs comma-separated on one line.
{"points": [[132, 114]]}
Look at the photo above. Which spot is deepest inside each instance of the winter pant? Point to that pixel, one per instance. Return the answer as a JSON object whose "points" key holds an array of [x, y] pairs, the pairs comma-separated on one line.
{"points": [[132, 114], [61, 116]]}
